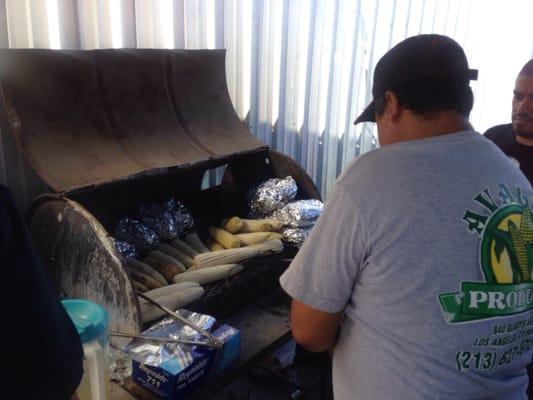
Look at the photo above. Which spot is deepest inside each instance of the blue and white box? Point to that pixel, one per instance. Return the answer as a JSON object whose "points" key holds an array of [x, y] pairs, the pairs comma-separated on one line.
{"points": [[189, 367]]}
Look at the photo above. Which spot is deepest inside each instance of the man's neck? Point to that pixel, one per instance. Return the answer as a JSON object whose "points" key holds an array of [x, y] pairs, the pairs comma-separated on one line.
{"points": [[524, 141], [440, 123]]}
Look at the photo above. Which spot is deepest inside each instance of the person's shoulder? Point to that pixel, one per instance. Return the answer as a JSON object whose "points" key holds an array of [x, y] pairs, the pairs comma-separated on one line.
{"points": [[363, 170], [499, 132], [358, 166]]}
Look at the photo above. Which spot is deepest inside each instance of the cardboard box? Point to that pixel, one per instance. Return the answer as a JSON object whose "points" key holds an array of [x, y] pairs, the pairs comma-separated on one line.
{"points": [[173, 381]]}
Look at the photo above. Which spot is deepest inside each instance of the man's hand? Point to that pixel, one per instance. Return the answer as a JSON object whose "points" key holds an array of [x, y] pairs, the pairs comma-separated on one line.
{"points": [[314, 329]]}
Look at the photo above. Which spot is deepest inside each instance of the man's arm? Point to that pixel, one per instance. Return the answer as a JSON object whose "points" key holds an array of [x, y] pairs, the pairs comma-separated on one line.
{"points": [[314, 329]]}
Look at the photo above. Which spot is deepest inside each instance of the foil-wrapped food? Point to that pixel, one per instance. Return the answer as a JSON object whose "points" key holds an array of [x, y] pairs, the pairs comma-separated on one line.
{"points": [[125, 249], [159, 219], [300, 213], [271, 195], [155, 354], [296, 236], [134, 232], [183, 219]]}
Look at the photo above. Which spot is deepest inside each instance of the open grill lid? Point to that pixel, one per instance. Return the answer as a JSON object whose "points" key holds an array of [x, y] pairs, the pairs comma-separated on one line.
{"points": [[84, 118]]}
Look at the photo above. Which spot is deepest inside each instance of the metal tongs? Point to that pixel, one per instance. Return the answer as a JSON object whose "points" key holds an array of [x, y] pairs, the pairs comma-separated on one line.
{"points": [[212, 340], [158, 339]]}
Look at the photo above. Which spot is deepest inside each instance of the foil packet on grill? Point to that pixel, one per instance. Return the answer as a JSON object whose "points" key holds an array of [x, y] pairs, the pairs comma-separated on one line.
{"points": [[134, 232], [271, 195], [155, 354], [160, 219], [300, 213], [125, 249], [182, 217], [296, 236]]}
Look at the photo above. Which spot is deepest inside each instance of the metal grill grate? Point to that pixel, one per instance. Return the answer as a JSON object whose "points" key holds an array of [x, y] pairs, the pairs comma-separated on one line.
{"points": [[258, 277]]}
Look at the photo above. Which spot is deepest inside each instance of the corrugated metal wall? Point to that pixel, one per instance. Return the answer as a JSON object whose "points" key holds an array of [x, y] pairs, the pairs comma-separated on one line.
{"points": [[298, 71]]}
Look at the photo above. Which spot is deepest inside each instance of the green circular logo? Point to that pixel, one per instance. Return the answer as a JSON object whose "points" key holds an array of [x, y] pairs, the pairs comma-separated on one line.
{"points": [[507, 246]]}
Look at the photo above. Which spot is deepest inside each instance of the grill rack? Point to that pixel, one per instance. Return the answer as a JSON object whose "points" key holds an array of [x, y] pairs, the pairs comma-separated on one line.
{"points": [[222, 298]]}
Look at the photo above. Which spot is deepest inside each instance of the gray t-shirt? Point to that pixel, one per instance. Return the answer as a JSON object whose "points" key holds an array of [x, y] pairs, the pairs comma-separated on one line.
{"points": [[428, 248]]}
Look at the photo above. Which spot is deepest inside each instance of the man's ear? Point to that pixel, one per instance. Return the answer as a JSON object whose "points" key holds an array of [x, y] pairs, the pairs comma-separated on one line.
{"points": [[393, 105]]}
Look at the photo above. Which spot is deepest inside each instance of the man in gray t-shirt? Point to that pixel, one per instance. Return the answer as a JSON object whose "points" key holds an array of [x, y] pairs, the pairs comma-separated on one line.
{"points": [[419, 272]]}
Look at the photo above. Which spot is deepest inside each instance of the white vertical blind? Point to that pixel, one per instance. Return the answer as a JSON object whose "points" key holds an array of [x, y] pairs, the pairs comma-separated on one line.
{"points": [[298, 71]]}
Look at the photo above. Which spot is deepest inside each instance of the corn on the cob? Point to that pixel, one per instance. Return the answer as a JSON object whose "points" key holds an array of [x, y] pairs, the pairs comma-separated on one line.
{"points": [[268, 247], [175, 253], [207, 275], [138, 286], [184, 247], [276, 224], [519, 250], [172, 288], [213, 245], [232, 225], [226, 239], [526, 225], [164, 257], [164, 264], [172, 300], [256, 225], [275, 235], [253, 237], [227, 256], [193, 240], [145, 279], [146, 269]]}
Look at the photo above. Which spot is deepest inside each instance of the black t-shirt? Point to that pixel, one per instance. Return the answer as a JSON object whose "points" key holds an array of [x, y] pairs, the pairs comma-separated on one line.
{"points": [[504, 137], [41, 351]]}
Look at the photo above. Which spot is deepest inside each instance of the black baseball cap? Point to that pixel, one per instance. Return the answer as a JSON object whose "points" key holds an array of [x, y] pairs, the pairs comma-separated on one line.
{"points": [[418, 58]]}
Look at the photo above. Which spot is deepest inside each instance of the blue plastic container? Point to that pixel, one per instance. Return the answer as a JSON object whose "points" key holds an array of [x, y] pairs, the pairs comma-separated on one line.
{"points": [[90, 320]]}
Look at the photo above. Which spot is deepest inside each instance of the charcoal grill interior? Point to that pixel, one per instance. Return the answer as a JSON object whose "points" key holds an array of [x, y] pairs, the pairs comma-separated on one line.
{"points": [[111, 202], [109, 130]]}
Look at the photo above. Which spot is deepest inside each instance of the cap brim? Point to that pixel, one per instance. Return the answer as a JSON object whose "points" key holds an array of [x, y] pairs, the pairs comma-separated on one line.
{"points": [[369, 115]]}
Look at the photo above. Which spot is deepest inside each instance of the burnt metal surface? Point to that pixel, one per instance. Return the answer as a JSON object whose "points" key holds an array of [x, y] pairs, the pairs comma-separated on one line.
{"points": [[80, 256], [86, 118]]}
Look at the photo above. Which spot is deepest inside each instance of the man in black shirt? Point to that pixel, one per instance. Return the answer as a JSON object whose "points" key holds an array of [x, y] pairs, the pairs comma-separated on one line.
{"points": [[41, 351], [516, 139]]}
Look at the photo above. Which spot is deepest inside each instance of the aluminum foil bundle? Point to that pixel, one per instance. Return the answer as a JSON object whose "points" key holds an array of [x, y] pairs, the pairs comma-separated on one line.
{"points": [[134, 232], [271, 195], [182, 217], [120, 365], [155, 354], [300, 213], [159, 219], [125, 249], [296, 236]]}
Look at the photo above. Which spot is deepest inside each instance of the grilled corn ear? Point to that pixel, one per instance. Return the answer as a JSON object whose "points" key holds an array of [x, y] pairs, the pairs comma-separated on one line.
{"points": [[207, 275], [232, 225]]}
